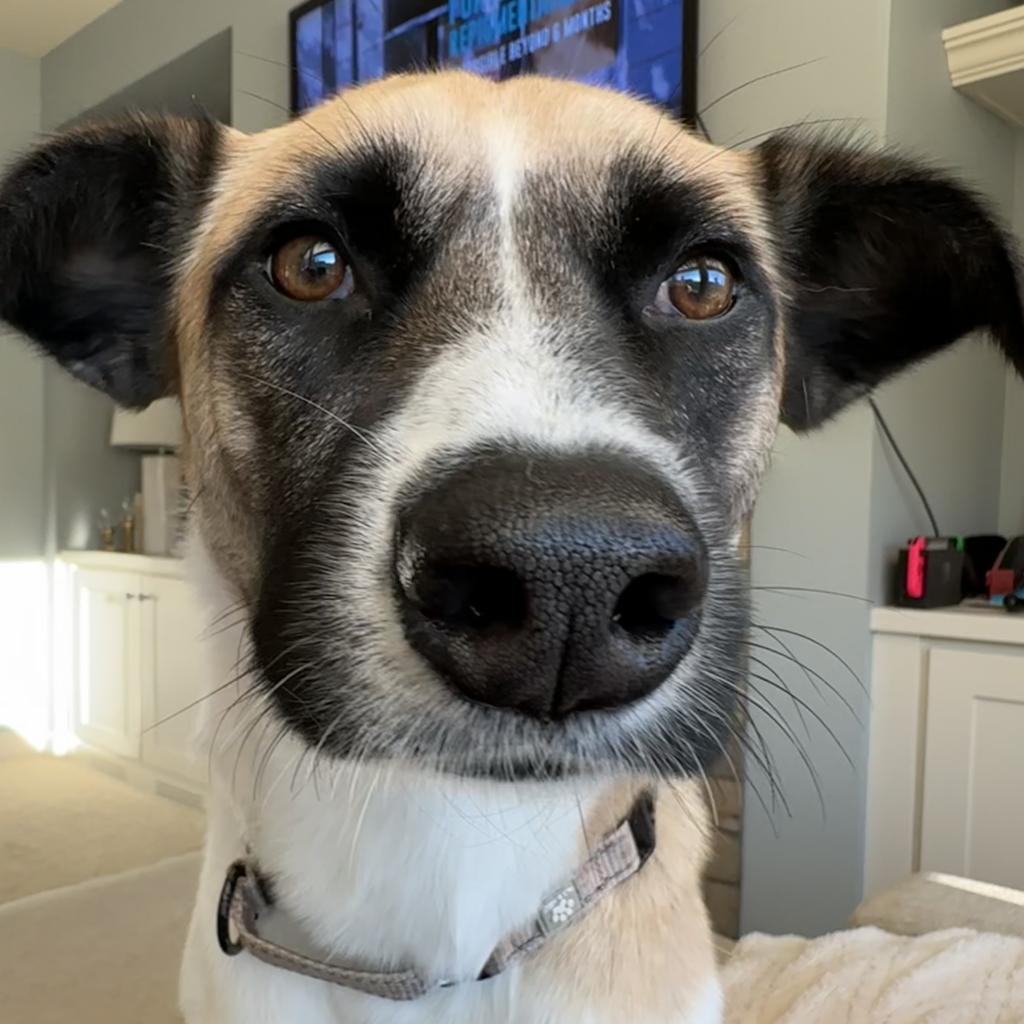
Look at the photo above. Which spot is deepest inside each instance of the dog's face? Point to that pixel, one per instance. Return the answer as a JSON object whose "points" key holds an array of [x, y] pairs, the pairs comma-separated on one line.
{"points": [[479, 383]]}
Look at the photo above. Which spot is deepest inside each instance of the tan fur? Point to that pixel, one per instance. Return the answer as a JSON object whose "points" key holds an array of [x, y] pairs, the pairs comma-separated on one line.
{"points": [[448, 115], [645, 953]]}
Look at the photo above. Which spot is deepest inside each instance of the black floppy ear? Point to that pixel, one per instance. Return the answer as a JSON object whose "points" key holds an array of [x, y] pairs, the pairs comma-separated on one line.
{"points": [[887, 262], [92, 223]]}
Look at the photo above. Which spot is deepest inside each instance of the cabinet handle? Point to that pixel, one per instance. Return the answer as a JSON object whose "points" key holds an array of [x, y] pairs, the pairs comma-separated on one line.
{"points": [[130, 597], [146, 597]]}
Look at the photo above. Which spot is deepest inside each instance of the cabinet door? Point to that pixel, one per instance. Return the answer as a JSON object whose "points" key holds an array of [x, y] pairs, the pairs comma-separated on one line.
{"points": [[174, 676], [973, 810], [107, 711]]}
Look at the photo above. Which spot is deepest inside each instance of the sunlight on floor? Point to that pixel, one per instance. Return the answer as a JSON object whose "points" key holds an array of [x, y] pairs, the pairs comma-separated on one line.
{"points": [[997, 892], [25, 704], [62, 689]]}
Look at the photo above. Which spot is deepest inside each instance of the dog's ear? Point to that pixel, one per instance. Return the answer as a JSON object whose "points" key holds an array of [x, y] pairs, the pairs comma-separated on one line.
{"points": [[92, 225], [887, 262]]}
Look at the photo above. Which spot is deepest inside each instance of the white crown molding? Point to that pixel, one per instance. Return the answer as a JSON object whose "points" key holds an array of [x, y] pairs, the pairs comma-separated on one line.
{"points": [[984, 58]]}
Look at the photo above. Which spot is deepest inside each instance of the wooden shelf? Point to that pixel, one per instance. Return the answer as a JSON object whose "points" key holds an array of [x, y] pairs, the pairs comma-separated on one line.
{"points": [[986, 62]]}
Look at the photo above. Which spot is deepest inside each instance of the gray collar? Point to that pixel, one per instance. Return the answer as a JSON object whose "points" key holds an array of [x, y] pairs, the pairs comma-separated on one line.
{"points": [[619, 856]]}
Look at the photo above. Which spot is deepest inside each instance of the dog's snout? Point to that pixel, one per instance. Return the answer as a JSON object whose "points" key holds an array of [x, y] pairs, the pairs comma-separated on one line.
{"points": [[550, 585]]}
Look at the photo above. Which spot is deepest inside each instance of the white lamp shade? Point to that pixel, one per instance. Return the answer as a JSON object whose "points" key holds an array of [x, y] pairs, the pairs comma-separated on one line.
{"points": [[158, 426]]}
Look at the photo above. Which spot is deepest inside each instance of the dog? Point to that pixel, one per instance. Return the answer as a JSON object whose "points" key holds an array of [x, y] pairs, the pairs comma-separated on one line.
{"points": [[479, 381]]}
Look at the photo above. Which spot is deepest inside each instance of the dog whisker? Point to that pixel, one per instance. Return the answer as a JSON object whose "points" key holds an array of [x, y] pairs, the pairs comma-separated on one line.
{"points": [[266, 711], [781, 683], [756, 80], [813, 676], [771, 630], [814, 590], [257, 781], [369, 441], [764, 705]]}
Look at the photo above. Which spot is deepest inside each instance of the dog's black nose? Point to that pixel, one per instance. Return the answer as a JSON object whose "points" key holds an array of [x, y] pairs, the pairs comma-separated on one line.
{"points": [[550, 585]]}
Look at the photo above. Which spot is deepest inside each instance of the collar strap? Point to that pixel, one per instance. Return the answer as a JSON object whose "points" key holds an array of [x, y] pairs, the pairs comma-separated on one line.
{"points": [[619, 856]]}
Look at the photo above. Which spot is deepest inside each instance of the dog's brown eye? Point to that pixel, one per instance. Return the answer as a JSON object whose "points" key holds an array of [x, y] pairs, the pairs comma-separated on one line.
{"points": [[310, 269], [701, 289]]}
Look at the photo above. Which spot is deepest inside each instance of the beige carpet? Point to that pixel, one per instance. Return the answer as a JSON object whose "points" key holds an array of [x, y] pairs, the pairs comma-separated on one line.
{"points": [[106, 951], [12, 745], [62, 822]]}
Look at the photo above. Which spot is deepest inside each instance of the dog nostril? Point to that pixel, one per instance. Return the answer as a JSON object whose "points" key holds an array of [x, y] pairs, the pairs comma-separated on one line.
{"points": [[651, 604], [472, 597], [549, 585]]}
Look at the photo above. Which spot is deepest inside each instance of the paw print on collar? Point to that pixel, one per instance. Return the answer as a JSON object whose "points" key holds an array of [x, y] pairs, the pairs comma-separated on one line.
{"points": [[559, 909]]}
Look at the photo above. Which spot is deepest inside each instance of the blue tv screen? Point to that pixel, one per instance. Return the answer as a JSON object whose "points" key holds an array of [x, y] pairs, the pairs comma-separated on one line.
{"points": [[643, 46]]}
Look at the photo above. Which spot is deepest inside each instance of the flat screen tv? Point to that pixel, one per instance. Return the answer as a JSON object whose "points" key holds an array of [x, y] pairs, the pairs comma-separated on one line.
{"points": [[644, 46]]}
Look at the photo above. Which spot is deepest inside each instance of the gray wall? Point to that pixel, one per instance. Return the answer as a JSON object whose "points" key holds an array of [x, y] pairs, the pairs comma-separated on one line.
{"points": [[833, 502], [198, 82], [949, 414], [83, 473], [1011, 495], [22, 507], [815, 504], [147, 34]]}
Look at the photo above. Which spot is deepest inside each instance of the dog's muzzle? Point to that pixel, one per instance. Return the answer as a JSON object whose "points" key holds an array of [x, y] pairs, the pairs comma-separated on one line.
{"points": [[550, 585]]}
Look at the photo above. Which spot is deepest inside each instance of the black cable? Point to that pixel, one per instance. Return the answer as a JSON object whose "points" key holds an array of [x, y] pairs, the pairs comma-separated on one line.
{"points": [[906, 467]]}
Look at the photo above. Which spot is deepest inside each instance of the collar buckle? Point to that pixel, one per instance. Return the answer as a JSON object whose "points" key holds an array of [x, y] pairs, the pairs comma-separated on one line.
{"points": [[228, 945]]}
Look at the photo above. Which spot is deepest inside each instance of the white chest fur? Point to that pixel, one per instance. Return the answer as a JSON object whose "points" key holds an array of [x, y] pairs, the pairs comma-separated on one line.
{"points": [[382, 867], [390, 872]]}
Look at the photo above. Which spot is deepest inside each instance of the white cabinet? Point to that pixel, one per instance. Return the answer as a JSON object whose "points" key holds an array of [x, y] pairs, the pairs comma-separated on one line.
{"points": [[972, 820], [107, 704], [173, 676], [946, 761], [138, 668]]}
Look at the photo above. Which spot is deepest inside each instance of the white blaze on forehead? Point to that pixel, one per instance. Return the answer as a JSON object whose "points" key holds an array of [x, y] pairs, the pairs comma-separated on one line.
{"points": [[504, 154], [514, 380], [518, 378], [504, 147]]}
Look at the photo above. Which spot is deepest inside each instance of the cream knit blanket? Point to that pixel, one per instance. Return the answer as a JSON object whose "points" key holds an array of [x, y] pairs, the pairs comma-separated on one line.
{"points": [[867, 975]]}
